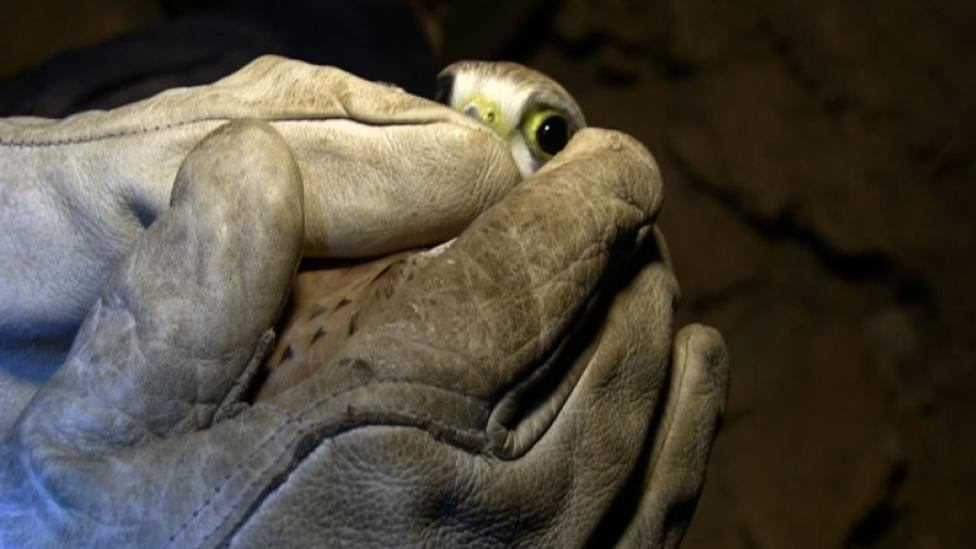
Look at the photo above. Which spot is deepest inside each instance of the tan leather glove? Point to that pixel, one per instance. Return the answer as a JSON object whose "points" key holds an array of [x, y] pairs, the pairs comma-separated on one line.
{"points": [[521, 387], [382, 170]]}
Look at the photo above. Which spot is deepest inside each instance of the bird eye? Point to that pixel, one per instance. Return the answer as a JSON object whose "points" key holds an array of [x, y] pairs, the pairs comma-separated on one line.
{"points": [[552, 134], [546, 133]]}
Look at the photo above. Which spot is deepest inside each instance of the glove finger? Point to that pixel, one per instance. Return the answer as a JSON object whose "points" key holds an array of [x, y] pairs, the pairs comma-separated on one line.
{"points": [[180, 317], [172, 332], [570, 462], [669, 486]]}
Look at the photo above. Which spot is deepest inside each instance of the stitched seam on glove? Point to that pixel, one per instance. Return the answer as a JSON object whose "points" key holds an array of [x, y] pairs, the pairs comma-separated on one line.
{"points": [[13, 143], [408, 418], [416, 421], [507, 440], [386, 381]]}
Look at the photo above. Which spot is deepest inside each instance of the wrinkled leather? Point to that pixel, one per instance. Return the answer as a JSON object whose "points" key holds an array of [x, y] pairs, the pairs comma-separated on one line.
{"points": [[383, 171], [386, 170], [520, 387]]}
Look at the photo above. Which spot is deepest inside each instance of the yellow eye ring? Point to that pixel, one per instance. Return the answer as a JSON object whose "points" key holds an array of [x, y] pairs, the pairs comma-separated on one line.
{"points": [[546, 132]]}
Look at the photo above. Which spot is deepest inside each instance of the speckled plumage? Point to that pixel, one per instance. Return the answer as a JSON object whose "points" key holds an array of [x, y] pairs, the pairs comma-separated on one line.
{"points": [[325, 309]]}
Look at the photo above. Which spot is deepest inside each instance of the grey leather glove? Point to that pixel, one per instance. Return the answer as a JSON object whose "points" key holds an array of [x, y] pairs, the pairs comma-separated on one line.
{"points": [[521, 387], [383, 171]]}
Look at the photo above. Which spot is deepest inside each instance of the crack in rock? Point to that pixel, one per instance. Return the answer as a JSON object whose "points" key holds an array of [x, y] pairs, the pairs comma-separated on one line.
{"points": [[861, 267]]}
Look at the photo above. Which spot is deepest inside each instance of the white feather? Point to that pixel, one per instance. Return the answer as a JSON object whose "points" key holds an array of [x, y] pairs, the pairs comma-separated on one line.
{"points": [[509, 97]]}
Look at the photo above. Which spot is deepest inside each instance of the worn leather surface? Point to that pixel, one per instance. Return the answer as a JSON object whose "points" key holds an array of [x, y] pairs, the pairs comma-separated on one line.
{"points": [[383, 171], [522, 386], [370, 153]]}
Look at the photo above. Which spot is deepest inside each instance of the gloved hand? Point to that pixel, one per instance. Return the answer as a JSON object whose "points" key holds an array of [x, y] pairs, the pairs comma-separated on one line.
{"points": [[383, 171], [520, 387]]}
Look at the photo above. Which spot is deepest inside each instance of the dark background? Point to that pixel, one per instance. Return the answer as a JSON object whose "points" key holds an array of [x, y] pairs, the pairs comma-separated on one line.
{"points": [[818, 160]]}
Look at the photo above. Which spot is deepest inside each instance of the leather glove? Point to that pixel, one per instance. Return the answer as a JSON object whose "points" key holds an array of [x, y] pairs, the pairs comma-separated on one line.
{"points": [[520, 387], [383, 171]]}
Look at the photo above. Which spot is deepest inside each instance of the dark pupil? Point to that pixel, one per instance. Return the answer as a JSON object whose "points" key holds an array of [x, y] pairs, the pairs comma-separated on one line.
{"points": [[552, 134]]}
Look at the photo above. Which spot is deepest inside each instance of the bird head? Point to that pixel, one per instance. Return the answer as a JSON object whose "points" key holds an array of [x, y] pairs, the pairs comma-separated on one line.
{"points": [[530, 111]]}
